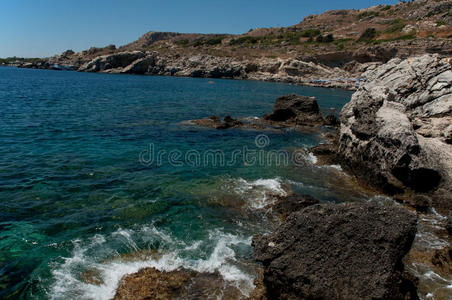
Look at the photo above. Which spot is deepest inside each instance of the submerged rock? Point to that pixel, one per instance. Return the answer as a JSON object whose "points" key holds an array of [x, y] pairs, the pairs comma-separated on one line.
{"points": [[296, 110], [339, 251], [395, 131]]}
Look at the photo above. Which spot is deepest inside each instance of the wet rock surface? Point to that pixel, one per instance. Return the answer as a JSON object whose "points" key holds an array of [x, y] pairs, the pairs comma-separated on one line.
{"points": [[285, 206], [151, 283], [296, 110], [339, 251], [449, 224], [394, 132], [326, 154], [217, 123]]}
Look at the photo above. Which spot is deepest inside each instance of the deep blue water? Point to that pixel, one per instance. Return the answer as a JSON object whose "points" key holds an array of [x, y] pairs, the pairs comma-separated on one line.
{"points": [[76, 198]]}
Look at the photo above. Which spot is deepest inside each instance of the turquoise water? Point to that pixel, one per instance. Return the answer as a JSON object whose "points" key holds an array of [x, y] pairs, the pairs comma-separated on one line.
{"points": [[76, 199]]}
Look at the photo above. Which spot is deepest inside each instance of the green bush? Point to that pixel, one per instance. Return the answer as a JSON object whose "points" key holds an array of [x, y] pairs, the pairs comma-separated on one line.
{"points": [[244, 40], [182, 42], [311, 33], [250, 68], [328, 39], [367, 14], [368, 34], [214, 41], [396, 26], [325, 39]]}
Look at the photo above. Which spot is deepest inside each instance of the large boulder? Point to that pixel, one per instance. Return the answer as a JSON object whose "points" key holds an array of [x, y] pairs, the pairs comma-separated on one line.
{"points": [[296, 109], [339, 251], [396, 130], [141, 65], [112, 61]]}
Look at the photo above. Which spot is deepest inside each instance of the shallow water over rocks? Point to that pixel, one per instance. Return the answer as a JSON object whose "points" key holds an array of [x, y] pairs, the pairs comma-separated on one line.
{"points": [[81, 208]]}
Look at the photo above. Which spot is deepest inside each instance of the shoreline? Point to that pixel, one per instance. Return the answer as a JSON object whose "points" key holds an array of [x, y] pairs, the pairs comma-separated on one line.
{"points": [[279, 251], [333, 83]]}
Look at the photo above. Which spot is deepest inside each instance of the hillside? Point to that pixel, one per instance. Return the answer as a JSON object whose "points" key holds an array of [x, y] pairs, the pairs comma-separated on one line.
{"points": [[339, 42]]}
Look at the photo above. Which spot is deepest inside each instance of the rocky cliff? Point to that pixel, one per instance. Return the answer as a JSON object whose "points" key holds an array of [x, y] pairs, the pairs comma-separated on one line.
{"points": [[396, 132], [331, 49]]}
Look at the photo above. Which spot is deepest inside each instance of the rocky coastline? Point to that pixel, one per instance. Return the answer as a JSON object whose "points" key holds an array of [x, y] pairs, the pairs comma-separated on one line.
{"points": [[394, 135], [207, 66], [329, 50]]}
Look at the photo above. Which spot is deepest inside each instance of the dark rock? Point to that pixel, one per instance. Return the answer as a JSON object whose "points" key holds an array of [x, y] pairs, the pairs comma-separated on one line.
{"points": [[215, 122], [331, 120], [326, 154], [284, 206], [420, 202], [338, 251], [151, 283], [230, 122], [442, 260], [295, 109], [449, 224]]}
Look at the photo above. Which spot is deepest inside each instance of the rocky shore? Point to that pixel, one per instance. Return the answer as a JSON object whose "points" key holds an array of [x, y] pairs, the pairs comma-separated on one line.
{"points": [[206, 66], [330, 50], [395, 136], [396, 131], [339, 251]]}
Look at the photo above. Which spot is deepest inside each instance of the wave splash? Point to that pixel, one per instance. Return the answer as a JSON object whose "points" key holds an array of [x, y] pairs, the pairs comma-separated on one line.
{"points": [[88, 275]]}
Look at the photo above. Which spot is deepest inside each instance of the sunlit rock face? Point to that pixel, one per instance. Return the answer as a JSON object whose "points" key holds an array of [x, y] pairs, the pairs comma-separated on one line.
{"points": [[396, 131]]}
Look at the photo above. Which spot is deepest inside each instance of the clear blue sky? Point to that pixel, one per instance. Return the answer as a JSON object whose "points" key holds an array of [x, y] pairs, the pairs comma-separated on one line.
{"points": [[39, 28]]}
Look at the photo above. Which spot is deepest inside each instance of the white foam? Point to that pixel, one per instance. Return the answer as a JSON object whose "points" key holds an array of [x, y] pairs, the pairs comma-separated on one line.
{"points": [[337, 167], [312, 158], [260, 193], [69, 285]]}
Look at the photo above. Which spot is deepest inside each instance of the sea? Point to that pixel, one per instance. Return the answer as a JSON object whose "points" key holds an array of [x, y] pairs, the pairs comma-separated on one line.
{"points": [[102, 175]]}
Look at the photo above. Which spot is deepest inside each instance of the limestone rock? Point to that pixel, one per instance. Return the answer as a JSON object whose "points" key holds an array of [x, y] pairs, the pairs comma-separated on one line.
{"points": [[395, 132], [112, 61]]}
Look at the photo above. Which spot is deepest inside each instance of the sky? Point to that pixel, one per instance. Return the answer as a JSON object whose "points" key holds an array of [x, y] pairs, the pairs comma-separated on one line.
{"points": [[41, 28]]}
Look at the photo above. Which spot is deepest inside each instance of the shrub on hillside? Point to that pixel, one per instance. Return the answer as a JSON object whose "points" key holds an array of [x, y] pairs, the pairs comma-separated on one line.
{"points": [[368, 35]]}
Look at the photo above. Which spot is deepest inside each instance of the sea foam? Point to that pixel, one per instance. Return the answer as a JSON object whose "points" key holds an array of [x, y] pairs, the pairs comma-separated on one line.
{"points": [[109, 266]]}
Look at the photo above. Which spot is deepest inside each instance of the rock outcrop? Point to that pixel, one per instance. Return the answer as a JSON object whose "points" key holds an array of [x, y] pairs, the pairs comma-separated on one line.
{"points": [[296, 110], [289, 111], [151, 283], [396, 131], [217, 123], [284, 206], [111, 61], [339, 251]]}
